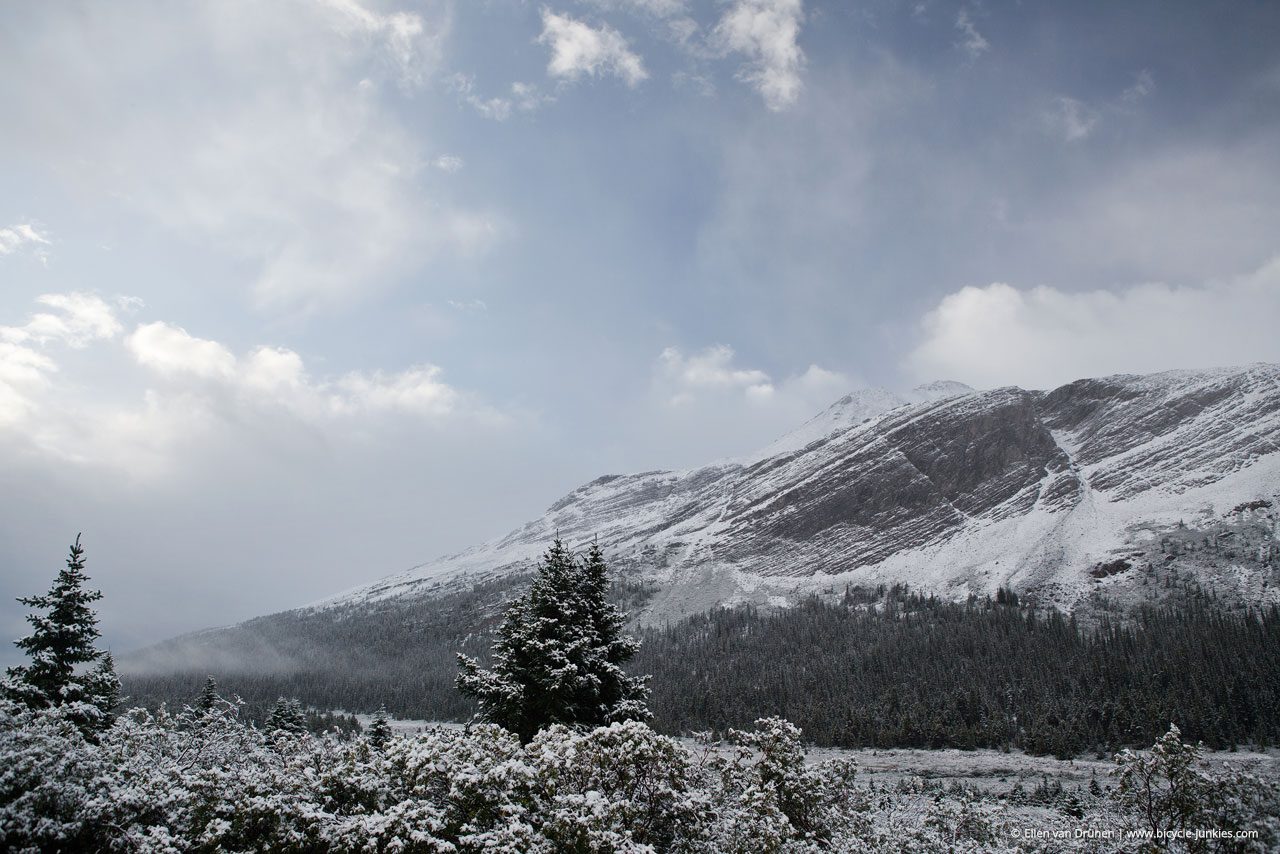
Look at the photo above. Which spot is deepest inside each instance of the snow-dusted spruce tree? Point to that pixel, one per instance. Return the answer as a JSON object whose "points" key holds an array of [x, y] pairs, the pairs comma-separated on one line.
{"points": [[208, 699], [559, 653], [286, 716], [66, 668], [379, 732]]}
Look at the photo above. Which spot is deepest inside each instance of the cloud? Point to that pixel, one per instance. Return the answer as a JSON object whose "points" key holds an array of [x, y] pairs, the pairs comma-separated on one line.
{"points": [[448, 163], [705, 405], [578, 48], [1042, 337], [522, 98], [411, 45], [711, 374], [77, 320], [1143, 85], [23, 374], [185, 388], [277, 377], [710, 369], [171, 351], [766, 32], [81, 318], [266, 139], [21, 236], [971, 41], [1072, 119]]}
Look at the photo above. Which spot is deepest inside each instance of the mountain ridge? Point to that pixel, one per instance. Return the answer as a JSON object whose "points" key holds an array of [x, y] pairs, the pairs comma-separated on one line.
{"points": [[956, 492]]}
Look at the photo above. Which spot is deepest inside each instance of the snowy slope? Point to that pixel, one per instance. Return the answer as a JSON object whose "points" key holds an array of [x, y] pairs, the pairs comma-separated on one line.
{"points": [[945, 488], [853, 409]]}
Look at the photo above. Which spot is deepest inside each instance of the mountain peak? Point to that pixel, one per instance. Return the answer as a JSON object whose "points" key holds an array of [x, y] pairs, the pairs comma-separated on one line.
{"points": [[940, 390]]}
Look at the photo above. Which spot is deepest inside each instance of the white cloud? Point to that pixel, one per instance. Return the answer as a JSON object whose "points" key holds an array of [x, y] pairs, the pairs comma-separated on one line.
{"points": [[411, 45], [265, 140], [19, 236], [188, 389], [766, 32], [711, 368], [448, 163], [522, 98], [705, 405], [1042, 337], [578, 48], [1072, 119], [82, 318], [277, 377], [711, 373], [77, 320], [971, 41], [418, 390], [171, 350], [23, 374]]}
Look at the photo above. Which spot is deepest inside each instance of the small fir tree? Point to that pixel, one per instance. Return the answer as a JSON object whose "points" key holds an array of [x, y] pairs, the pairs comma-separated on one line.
{"points": [[208, 699], [559, 653], [286, 716], [379, 732], [66, 668]]}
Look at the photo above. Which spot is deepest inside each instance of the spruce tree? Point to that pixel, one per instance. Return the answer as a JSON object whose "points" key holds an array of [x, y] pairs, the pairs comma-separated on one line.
{"points": [[612, 694], [379, 729], [66, 668], [208, 699], [558, 654], [286, 716]]}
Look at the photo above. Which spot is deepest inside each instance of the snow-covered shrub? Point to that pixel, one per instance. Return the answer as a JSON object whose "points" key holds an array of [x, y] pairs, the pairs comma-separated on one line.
{"points": [[48, 781], [477, 780], [772, 801], [1163, 787], [621, 787], [204, 781], [1166, 789]]}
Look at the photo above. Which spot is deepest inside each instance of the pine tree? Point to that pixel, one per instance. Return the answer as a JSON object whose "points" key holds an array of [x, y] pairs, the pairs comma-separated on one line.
{"points": [[61, 649], [286, 716], [208, 699], [558, 655], [612, 694], [379, 729]]}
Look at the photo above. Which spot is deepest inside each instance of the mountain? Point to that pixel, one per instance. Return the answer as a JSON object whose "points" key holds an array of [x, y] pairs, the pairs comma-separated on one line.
{"points": [[1099, 485]]}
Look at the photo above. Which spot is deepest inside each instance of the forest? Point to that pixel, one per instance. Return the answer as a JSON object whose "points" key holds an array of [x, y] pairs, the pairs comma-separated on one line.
{"points": [[896, 669], [877, 668]]}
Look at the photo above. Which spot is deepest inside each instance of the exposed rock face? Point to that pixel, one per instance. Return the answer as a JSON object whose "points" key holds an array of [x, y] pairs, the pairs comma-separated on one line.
{"points": [[946, 488]]}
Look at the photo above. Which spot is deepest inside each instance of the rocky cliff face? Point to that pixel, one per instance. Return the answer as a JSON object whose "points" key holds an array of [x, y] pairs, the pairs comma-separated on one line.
{"points": [[946, 488]]}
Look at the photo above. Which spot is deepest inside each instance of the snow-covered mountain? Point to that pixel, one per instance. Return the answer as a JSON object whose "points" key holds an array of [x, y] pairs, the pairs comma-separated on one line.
{"points": [[1099, 484]]}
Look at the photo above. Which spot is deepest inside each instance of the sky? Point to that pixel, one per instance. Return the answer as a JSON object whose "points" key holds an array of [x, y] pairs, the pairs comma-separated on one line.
{"points": [[295, 295]]}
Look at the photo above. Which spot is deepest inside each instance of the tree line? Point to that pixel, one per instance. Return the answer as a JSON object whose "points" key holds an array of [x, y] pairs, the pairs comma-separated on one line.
{"points": [[883, 668], [897, 669]]}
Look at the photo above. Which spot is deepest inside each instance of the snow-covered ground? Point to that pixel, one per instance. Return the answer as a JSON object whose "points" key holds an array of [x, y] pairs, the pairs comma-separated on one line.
{"points": [[997, 771], [986, 769]]}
